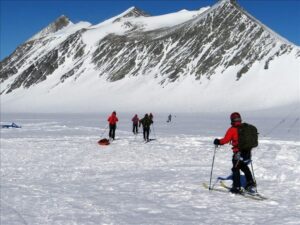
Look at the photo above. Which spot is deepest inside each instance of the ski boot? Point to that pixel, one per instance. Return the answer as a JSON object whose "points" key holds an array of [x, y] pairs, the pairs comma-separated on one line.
{"points": [[251, 187], [235, 190]]}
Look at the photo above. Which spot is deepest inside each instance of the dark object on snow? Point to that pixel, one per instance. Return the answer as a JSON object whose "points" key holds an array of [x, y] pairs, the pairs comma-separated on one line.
{"points": [[13, 125], [104, 141], [169, 118]]}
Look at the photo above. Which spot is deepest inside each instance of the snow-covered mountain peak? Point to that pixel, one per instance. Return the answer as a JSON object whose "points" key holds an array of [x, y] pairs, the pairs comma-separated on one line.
{"points": [[227, 1], [131, 12], [233, 5], [62, 19], [135, 12], [53, 27], [209, 53]]}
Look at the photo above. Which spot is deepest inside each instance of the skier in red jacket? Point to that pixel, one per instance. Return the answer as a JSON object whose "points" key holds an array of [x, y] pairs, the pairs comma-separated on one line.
{"points": [[113, 119], [240, 158]]}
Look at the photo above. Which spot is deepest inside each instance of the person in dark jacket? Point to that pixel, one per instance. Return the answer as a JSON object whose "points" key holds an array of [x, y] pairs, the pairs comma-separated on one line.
{"points": [[112, 120], [169, 118], [240, 158], [151, 116], [135, 123], [146, 122]]}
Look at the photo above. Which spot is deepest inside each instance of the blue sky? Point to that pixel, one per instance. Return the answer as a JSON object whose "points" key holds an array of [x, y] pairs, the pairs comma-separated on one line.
{"points": [[21, 19]]}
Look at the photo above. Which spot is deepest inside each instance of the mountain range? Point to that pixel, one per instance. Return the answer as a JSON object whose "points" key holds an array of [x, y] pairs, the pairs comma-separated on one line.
{"points": [[216, 58]]}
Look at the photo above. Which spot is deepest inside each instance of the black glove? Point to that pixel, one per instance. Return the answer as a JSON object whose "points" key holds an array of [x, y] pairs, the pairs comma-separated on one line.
{"points": [[216, 141]]}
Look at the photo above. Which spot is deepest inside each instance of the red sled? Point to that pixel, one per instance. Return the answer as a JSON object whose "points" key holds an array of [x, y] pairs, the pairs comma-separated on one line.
{"points": [[103, 141]]}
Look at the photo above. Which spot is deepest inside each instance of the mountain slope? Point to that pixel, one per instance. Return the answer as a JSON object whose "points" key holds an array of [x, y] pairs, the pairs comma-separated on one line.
{"points": [[210, 54], [220, 38]]}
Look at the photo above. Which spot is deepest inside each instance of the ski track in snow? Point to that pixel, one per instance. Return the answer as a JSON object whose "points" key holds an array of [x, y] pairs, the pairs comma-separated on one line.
{"points": [[54, 172]]}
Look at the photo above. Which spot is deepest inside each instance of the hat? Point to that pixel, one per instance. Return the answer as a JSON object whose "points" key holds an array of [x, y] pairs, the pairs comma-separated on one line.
{"points": [[235, 117]]}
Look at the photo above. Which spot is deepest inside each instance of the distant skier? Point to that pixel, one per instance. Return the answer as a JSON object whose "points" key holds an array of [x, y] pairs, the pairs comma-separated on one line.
{"points": [[146, 122], [113, 119], [151, 116], [169, 118], [240, 158], [135, 123], [13, 125]]}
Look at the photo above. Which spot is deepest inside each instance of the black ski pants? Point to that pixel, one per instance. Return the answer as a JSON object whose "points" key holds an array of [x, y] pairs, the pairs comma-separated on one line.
{"points": [[135, 128], [146, 132], [241, 164], [112, 130]]}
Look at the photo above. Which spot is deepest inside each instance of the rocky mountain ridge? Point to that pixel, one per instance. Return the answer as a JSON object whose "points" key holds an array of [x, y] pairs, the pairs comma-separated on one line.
{"points": [[209, 43]]}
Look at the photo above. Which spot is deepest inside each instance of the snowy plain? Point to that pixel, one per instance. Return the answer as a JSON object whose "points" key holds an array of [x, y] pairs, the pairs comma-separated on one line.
{"points": [[54, 172]]}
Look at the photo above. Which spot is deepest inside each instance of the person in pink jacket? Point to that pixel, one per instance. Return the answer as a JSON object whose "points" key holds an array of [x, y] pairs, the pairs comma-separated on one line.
{"points": [[135, 122]]}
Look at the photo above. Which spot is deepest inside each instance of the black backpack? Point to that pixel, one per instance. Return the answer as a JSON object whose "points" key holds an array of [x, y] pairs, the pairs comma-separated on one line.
{"points": [[248, 137]]}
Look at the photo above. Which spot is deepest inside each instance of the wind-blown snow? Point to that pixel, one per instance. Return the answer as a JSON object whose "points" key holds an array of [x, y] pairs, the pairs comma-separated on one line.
{"points": [[53, 172]]}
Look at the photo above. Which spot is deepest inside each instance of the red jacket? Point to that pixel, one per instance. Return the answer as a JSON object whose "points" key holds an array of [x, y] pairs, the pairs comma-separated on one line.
{"points": [[232, 136], [113, 119]]}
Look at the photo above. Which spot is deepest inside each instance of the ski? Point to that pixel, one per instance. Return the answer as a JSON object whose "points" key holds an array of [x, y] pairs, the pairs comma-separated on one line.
{"points": [[205, 185], [226, 190], [145, 142], [245, 193]]}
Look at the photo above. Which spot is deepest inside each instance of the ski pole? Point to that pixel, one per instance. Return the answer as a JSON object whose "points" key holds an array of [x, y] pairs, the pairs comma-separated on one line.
{"points": [[253, 175], [104, 131], [153, 130], [212, 167]]}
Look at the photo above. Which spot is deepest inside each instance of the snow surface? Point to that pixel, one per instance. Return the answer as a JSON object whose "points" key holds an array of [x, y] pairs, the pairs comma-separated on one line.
{"points": [[53, 172]]}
